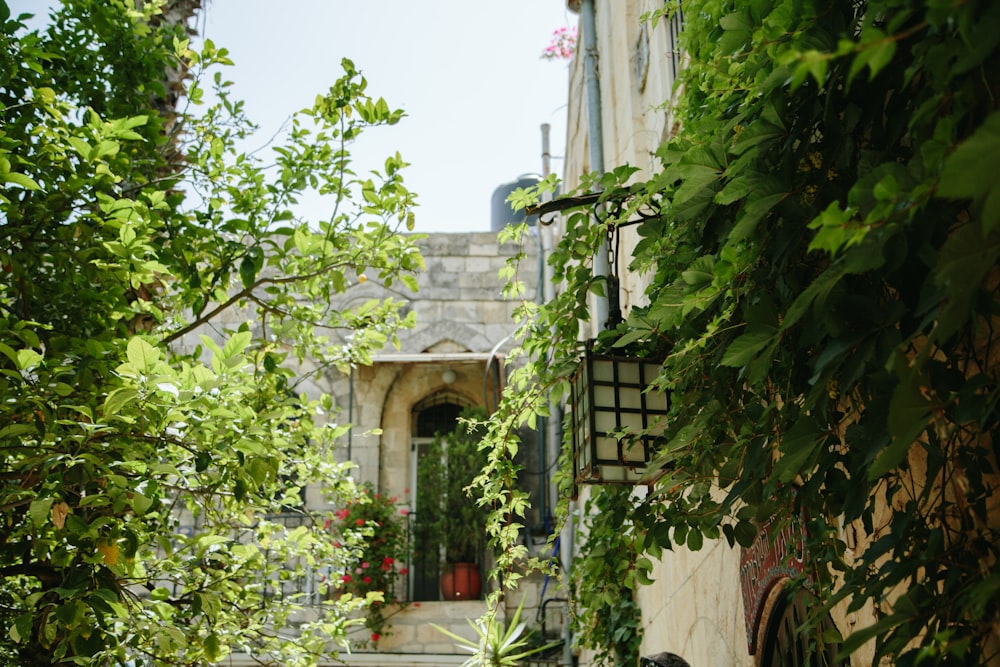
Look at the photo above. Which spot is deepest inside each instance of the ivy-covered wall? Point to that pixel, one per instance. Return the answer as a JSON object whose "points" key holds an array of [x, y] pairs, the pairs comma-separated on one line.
{"points": [[818, 259]]}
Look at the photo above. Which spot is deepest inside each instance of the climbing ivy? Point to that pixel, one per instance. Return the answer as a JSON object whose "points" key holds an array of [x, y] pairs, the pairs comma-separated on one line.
{"points": [[823, 290]]}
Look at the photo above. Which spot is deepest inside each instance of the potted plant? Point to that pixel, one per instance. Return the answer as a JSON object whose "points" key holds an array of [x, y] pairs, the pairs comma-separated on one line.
{"points": [[450, 523], [378, 558], [496, 645]]}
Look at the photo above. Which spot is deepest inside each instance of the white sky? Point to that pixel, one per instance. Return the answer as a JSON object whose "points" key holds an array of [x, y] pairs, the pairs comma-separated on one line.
{"points": [[468, 73]]}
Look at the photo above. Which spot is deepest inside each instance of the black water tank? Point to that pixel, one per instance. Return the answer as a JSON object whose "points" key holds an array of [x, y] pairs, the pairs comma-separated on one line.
{"points": [[501, 213]]}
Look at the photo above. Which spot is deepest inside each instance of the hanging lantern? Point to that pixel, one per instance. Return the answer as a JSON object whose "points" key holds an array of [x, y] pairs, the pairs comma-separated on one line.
{"points": [[616, 418]]}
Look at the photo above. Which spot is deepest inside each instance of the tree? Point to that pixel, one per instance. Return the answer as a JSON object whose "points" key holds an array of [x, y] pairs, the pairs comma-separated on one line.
{"points": [[131, 224], [824, 289]]}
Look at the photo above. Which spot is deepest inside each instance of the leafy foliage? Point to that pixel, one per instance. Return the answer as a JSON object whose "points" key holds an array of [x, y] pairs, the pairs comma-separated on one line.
{"points": [[152, 484], [497, 646], [824, 291], [610, 554]]}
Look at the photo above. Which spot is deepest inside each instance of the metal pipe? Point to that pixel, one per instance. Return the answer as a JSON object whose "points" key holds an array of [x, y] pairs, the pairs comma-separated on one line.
{"points": [[566, 558], [350, 413], [542, 294], [595, 137]]}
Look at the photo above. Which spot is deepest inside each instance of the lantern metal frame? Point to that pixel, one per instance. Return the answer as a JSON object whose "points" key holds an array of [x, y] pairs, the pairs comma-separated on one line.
{"points": [[617, 417]]}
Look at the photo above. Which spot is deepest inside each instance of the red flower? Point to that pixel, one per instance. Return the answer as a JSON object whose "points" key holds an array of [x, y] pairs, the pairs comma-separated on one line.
{"points": [[345, 578], [359, 522], [376, 636], [367, 580], [388, 560], [406, 571]]}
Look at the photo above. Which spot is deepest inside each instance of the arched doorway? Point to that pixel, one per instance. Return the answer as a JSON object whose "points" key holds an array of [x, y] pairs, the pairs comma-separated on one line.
{"points": [[437, 415], [787, 645]]}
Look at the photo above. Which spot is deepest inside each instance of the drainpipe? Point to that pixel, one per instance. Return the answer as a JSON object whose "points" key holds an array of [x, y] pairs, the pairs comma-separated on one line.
{"points": [[595, 136], [543, 294], [595, 141], [350, 414]]}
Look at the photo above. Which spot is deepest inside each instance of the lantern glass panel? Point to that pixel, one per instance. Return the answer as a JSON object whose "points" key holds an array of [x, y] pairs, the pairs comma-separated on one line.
{"points": [[603, 370], [607, 449], [630, 397], [634, 452], [632, 422], [605, 422], [628, 372]]}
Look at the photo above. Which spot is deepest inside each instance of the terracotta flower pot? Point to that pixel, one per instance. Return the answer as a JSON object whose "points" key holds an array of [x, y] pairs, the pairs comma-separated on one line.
{"points": [[461, 581]]}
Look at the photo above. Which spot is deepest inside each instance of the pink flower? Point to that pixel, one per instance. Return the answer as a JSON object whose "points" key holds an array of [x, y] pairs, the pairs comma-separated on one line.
{"points": [[342, 514], [404, 512], [364, 566], [562, 46]]}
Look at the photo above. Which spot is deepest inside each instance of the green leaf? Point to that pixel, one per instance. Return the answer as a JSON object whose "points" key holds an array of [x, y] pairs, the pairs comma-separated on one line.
{"points": [[969, 172], [758, 132], [909, 414], [118, 399], [813, 296], [966, 171], [15, 430], [213, 648], [140, 503], [695, 540], [22, 180], [39, 510], [701, 272], [753, 211], [237, 344], [142, 355], [20, 631], [742, 350], [28, 359], [798, 447], [745, 533], [248, 271]]}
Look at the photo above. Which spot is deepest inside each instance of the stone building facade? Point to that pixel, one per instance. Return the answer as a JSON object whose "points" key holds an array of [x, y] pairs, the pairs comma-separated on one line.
{"points": [[454, 356]]}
